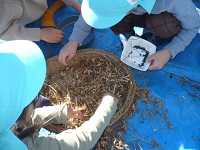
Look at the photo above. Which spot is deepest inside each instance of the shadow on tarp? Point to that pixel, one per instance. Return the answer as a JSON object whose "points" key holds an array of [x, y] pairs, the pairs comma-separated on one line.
{"points": [[171, 119], [187, 63]]}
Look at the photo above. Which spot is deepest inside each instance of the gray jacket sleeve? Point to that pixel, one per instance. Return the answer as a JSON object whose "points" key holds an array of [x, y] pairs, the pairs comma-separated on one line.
{"points": [[70, 2], [185, 11], [10, 28], [80, 31]]}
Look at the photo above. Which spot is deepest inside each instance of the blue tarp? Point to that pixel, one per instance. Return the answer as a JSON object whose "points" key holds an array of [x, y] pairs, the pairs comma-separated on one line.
{"points": [[171, 119]]}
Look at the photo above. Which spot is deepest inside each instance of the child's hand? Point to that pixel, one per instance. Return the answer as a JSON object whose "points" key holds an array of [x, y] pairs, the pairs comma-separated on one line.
{"points": [[51, 35], [68, 52], [73, 113], [159, 59]]}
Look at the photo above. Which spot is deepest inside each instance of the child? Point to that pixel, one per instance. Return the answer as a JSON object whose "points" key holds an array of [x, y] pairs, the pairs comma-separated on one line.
{"points": [[123, 15], [23, 71], [16, 15]]}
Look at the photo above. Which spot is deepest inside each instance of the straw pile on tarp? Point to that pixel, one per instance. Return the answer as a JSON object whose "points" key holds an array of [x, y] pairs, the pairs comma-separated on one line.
{"points": [[83, 82]]}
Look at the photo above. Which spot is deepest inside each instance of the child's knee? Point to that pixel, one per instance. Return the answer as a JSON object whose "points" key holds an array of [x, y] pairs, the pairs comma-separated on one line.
{"points": [[164, 25]]}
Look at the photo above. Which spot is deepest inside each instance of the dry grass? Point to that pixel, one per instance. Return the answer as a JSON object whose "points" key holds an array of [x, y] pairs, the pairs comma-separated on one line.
{"points": [[82, 84]]}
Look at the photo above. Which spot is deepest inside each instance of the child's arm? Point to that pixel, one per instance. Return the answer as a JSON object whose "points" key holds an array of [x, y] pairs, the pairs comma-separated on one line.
{"points": [[10, 29], [80, 32], [86, 136], [55, 114], [190, 22], [77, 6], [73, 3]]}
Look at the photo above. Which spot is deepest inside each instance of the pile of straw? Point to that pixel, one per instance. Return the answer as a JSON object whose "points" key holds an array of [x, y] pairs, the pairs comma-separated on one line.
{"points": [[82, 83]]}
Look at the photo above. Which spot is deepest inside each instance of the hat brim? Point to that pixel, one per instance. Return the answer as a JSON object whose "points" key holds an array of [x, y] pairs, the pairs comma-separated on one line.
{"points": [[33, 62], [99, 21], [10, 142], [23, 71], [35, 66]]}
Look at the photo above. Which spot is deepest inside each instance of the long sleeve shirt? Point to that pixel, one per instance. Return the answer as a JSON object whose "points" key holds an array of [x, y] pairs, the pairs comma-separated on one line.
{"points": [[184, 10], [15, 14], [82, 138]]}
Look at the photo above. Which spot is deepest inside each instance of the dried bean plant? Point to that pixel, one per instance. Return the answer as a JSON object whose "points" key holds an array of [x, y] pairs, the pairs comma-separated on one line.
{"points": [[83, 82]]}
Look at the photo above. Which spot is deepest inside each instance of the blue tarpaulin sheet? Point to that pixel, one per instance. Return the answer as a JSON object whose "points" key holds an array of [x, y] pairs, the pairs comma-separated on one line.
{"points": [[171, 121]]}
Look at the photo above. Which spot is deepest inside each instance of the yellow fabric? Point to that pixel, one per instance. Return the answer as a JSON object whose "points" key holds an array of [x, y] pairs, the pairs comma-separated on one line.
{"points": [[48, 16]]}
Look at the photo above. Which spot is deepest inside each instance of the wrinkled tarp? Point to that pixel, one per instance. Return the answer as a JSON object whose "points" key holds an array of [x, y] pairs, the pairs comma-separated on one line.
{"points": [[171, 118]]}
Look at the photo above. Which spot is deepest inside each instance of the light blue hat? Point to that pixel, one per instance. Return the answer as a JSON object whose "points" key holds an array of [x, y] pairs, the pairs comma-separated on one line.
{"points": [[22, 74], [106, 13]]}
